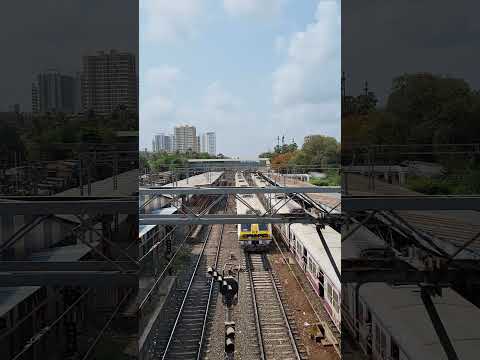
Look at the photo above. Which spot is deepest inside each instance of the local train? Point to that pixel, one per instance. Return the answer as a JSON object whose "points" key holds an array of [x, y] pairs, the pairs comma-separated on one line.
{"points": [[252, 237], [391, 321], [305, 243]]}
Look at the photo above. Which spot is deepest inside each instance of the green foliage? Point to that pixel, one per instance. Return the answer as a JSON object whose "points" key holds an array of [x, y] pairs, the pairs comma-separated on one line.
{"points": [[320, 150], [422, 108], [11, 145], [163, 161], [361, 104], [450, 184], [317, 151], [333, 178], [431, 186]]}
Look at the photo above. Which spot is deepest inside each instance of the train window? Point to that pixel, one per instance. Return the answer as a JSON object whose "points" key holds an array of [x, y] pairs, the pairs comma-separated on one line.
{"points": [[262, 227], [394, 350], [312, 266], [336, 302], [330, 293], [299, 249]]}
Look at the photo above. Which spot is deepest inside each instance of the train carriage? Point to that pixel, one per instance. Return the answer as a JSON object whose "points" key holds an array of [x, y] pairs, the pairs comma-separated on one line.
{"points": [[305, 243], [252, 237], [392, 322]]}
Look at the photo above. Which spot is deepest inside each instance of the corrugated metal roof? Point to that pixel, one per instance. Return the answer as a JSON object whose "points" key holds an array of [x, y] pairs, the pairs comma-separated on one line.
{"points": [[11, 296], [404, 316]]}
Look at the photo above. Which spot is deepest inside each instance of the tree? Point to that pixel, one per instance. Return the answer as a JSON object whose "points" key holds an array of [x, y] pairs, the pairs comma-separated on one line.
{"points": [[321, 150]]}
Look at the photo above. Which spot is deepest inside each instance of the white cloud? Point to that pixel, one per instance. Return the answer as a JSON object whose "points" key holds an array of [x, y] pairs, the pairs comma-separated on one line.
{"points": [[161, 78], [252, 7], [155, 112], [218, 99], [224, 112], [157, 106], [309, 80], [167, 20]]}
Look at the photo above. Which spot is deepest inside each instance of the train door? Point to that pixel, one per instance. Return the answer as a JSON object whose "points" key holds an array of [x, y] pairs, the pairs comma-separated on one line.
{"points": [[304, 259], [321, 279]]}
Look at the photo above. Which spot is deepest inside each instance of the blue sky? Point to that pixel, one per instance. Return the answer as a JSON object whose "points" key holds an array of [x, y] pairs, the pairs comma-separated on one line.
{"points": [[250, 70]]}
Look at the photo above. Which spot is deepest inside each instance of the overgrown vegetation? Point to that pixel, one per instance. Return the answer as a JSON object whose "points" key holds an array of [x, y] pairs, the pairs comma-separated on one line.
{"points": [[163, 161], [332, 178], [35, 138], [317, 152], [421, 109]]}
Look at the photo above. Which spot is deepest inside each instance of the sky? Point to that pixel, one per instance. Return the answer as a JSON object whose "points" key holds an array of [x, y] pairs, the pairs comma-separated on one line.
{"points": [[250, 70], [384, 39], [54, 34]]}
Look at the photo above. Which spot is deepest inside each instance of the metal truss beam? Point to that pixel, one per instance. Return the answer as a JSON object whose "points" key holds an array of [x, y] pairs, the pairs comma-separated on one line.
{"points": [[236, 190], [90, 279], [400, 202], [77, 266], [399, 272], [211, 219], [67, 205]]}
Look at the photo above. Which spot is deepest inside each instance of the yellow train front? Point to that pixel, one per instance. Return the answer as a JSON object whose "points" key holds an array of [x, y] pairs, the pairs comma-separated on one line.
{"points": [[252, 237], [255, 237]]}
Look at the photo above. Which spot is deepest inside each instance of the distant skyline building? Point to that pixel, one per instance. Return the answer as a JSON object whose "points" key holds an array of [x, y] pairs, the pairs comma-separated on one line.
{"points": [[109, 81], [54, 92], [185, 138], [162, 142], [35, 98], [14, 108], [209, 143]]}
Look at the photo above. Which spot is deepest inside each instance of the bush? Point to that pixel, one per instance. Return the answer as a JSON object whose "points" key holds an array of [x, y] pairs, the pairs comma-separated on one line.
{"points": [[435, 186], [332, 179]]}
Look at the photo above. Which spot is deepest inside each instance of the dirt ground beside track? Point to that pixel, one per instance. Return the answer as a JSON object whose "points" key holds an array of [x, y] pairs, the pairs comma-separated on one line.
{"points": [[303, 312]]}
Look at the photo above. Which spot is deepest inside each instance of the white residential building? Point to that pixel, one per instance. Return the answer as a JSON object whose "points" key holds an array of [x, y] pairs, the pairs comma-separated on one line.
{"points": [[186, 138], [209, 143]]}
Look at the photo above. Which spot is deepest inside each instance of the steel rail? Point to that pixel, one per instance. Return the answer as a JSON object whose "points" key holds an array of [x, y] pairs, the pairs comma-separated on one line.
{"points": [[48, 328], [282, 308], [160, 277], [336, 347], [102, 331], [221, 190], [257, 316], [167, 347], [212, 281]]}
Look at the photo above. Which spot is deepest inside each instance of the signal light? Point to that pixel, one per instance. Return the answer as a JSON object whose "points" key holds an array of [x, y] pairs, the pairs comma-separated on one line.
{"points": [[229, 337]]}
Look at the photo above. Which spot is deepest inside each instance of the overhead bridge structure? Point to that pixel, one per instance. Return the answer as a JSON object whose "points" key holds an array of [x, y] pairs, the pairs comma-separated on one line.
{"points": [[270, 216], [87, 212]]}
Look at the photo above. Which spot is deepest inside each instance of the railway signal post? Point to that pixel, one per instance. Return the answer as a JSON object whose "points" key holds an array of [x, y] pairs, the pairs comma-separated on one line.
{"points": [[229, 290]]}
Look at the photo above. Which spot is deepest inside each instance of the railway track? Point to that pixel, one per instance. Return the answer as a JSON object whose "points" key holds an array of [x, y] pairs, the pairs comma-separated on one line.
{"points": [[187, 336], [313, 300], [277, 338]]}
